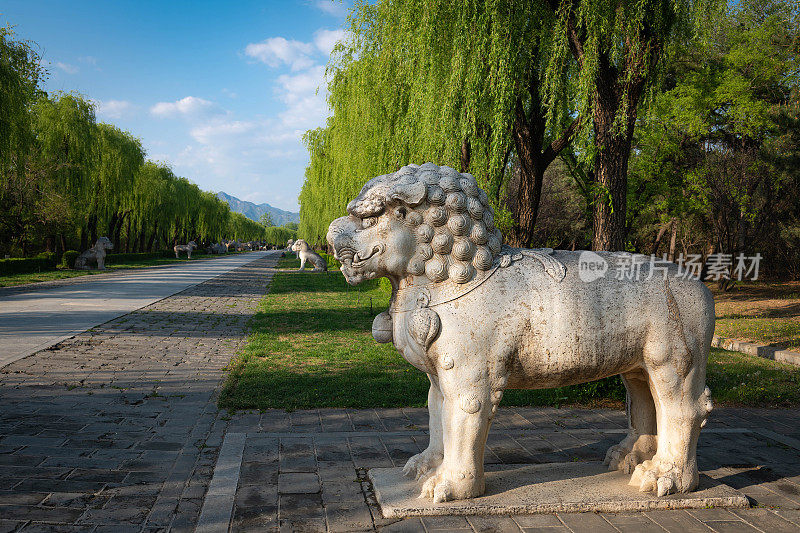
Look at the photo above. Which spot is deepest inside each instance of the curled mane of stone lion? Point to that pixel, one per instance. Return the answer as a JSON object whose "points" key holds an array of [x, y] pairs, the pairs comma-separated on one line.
{"points": [[479, 317]]}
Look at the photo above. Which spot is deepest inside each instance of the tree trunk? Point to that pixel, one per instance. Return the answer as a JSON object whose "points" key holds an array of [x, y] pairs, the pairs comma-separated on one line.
{"points": [[115, 236], [660, 236], [525, 188], [93, 228], [128, 235], [466, 154], [112, 223], [84, 239], [63, 242], [50, 243], [613, 143], [152, 237], [672, 240]]}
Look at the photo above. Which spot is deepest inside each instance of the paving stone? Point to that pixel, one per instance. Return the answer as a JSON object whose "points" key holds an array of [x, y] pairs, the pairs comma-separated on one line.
{"points": [[108, 422], [765, 519], [586, 522], [348, 516], [8, 526], [493, 524], [298, 483], [677, 521], [445, 522]]}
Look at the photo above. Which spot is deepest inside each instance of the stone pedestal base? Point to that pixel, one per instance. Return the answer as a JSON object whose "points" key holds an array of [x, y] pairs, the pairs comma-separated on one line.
{"points": [[548, 488]]}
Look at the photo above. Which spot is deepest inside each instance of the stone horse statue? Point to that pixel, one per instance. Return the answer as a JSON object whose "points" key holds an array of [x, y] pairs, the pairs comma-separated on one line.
{"points": [[188, 247], [95, 254]]}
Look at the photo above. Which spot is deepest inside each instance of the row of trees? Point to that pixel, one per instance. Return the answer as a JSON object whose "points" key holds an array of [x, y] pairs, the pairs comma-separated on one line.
{"points": [[66, 179], [590, 123]]}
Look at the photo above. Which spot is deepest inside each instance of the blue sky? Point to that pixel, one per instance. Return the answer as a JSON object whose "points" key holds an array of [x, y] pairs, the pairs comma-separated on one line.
{"points": [[221, 91]]}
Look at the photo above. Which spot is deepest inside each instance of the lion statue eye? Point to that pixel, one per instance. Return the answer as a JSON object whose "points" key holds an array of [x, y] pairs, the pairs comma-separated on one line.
{"points": [[368, 222]]}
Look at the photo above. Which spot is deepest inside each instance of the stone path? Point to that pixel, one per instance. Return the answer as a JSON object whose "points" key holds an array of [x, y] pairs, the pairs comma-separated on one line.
{"points": [[34, 317], [117, 429], [306, 470]]}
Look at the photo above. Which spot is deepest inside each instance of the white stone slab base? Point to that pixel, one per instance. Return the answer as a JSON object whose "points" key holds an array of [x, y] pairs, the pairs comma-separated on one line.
{"points": [[548, 488]]}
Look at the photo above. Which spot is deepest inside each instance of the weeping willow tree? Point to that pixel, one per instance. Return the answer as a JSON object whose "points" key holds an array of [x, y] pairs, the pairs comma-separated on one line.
{"points": [[118, 158], [451, 82], [65, 156], [620, 47], [489, 86], [20, 74], [242, 228]]}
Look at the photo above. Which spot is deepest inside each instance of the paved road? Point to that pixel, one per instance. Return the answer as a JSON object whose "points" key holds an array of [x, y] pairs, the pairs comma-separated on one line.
{"points": [[117, 429], [37, 318]]}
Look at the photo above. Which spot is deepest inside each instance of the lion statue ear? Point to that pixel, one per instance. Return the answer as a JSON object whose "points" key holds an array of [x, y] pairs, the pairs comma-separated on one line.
{"points": [[409, 193]]}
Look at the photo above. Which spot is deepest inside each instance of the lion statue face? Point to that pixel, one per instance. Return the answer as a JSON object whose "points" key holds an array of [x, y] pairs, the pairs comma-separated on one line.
{"points": [[423, 220], [104, 243], [300, 245]]}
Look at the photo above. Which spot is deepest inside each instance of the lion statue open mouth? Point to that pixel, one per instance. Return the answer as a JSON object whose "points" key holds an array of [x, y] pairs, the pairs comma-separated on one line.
{"points": [[479, 317]]}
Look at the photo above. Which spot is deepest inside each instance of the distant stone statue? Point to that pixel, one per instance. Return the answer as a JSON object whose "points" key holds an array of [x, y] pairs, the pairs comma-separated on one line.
{"points": [[217, 248], [231, 245], [305, 253], [191, 245], [96, 254], [479, 317]]}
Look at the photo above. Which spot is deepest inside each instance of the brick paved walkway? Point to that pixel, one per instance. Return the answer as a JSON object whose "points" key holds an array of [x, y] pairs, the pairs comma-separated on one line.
{"points": [[117, 428], [306, 470]]}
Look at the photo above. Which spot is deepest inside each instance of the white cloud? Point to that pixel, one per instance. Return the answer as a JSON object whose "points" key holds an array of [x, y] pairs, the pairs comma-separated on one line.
{"points": [[89, 60], [335, 8], [255, 157], [277, 50], [113, 108], [325, 40], [190, 107], [66, 67]]}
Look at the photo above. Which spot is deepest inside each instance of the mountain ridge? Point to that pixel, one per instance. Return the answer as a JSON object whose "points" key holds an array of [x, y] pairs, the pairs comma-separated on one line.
{"points": [[255, 211]]}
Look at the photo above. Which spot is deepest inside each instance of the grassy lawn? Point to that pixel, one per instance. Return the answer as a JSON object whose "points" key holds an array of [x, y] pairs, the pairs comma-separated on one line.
{"points": [[311, 346], [762, 312], [36, 277]]}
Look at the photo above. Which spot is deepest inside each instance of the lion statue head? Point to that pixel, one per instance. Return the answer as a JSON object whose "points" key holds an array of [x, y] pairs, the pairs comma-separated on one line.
{"points": [[300, 245], [423, 220], [103, 243]]}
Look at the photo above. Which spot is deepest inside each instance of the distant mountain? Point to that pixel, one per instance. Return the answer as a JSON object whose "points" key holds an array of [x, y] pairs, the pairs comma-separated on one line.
{"points": [[254, 211]]}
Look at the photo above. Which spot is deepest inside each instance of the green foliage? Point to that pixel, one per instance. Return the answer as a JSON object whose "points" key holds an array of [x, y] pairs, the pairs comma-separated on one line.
{"points": [[20, 265], [68, 259], [279, 235], [479, 85], [66, 180], [266, 220], [718, 149]]}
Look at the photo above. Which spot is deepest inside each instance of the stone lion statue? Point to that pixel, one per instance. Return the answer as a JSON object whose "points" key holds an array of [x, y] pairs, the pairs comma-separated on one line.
{"points": [[479, 317], [95, 254], [188, 247], [305, 253]]}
